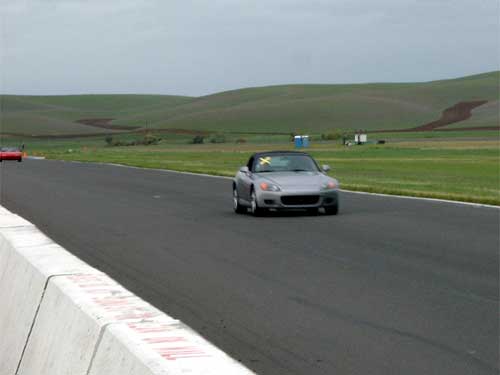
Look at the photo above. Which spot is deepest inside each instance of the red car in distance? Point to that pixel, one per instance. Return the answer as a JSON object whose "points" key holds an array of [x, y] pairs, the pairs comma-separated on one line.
{"points": [[11, 153]]}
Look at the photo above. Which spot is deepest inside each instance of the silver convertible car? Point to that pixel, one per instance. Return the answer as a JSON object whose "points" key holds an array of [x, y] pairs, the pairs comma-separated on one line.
{"points": [[284, 180]]}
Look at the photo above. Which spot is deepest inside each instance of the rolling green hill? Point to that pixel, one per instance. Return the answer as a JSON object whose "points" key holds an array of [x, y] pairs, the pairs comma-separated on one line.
{"points": [[310, 108], [317, 108], [57, 115]]}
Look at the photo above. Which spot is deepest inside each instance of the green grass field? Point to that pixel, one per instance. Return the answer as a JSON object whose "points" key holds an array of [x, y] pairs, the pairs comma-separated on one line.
{"points": [[289, 108], [456, 169]]}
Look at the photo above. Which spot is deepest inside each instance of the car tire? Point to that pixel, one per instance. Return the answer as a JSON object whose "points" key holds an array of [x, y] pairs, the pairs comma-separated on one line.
{"points": [[254, 206], [238, 208], [19, 160], [332, 210]]}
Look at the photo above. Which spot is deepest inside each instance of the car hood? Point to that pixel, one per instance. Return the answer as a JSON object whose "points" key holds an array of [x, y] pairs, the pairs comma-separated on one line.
{"points": [[288, 180]]}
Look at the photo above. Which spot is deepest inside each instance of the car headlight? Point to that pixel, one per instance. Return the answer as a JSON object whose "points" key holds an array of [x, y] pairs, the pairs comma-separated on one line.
{"points": [[269, 187], [330, 185]]}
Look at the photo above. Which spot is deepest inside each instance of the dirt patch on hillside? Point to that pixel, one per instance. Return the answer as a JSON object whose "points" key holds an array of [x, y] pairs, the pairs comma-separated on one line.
{"points": [[58, 136], [104, 123], [459, 112]]}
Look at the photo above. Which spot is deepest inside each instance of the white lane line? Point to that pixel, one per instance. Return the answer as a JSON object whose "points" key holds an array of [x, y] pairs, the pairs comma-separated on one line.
{"points": [[166, 170], [144, 169], [437, 200], [422, 198]]}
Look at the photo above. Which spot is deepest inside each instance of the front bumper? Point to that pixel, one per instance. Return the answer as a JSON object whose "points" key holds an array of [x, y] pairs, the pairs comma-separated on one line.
{"points": [[297, 199], [11, 157]]}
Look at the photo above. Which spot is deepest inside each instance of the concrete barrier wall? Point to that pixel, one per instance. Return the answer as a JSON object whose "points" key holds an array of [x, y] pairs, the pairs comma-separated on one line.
{"points": [[158, 341], [58, 315], [28, 259]]}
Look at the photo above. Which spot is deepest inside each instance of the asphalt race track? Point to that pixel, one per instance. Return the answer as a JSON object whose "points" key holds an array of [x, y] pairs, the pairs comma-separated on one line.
{"points": [[390, 286]]}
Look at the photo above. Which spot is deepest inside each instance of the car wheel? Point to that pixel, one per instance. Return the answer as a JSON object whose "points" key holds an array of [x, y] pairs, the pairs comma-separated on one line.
{"points": [[332, 210], [254, 206], [238, 208], [19, 160]]}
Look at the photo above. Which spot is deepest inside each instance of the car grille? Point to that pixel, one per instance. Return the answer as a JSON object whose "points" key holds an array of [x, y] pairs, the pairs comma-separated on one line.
{"points": [[299, 200]]}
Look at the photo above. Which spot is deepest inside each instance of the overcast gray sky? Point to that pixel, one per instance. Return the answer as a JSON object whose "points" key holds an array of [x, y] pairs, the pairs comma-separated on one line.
{"points": [[195, 47]]}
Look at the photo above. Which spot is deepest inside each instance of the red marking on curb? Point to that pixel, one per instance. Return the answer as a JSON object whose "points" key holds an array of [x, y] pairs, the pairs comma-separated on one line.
{"points": [[160, 336], [161, 340], [118, 304], [149, 330], [115, 301], [181, 352], [144, 315], [149, 327], [106, 302]]}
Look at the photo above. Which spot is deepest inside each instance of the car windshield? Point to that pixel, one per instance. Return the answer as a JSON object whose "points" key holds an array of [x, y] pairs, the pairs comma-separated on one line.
{"points": [[9, 149], [284, 163]]}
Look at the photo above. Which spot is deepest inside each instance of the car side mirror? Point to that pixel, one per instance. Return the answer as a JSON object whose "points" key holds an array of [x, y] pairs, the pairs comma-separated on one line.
{"points": [[244, 170], [325, 168]]}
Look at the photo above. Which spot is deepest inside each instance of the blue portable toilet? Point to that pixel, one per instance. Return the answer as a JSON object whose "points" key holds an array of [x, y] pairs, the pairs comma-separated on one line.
{"points": [[305, 141], [298, 141]]}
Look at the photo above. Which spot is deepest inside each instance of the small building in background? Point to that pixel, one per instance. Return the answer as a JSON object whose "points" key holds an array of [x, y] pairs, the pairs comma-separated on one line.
{"points": [[301, 141], [360, 138]]}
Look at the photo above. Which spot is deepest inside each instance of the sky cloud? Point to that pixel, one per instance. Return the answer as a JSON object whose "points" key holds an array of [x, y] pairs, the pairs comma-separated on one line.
{"points": [[195, 47]]}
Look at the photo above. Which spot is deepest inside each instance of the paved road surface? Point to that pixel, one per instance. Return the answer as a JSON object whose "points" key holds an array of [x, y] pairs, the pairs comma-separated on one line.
{"points": [[390, 286]]}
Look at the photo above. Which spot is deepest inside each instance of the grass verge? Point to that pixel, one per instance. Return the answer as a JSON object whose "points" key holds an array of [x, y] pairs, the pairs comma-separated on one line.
{"points": [[459, 170]]}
